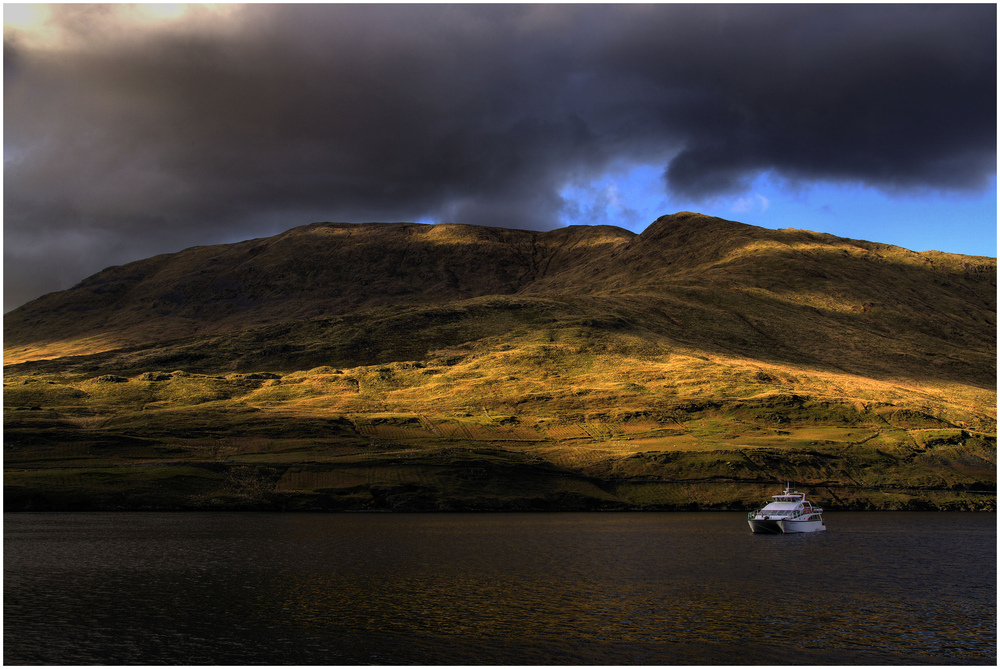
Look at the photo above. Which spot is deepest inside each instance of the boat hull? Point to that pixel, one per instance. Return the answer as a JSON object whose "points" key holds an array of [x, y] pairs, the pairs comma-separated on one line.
{"points": [[798, 526], [762, 526]]}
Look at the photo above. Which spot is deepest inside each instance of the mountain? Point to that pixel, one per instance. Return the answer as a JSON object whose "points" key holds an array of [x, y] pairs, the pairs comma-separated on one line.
{"points": [[695, 363], [317, 270]]}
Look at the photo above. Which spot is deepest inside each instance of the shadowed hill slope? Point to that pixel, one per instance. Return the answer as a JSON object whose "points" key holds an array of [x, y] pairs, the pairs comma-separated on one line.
{"points": [[319, 269]]}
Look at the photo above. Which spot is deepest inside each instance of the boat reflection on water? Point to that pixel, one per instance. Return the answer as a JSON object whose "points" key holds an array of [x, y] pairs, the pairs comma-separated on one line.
{"points": [[788, 513]]}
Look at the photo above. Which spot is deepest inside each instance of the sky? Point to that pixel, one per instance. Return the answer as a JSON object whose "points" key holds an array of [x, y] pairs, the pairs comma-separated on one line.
{"points": [[134, 130]]}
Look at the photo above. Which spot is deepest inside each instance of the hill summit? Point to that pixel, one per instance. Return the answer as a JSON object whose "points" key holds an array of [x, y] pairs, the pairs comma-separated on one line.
{"points": [[604, 354]]}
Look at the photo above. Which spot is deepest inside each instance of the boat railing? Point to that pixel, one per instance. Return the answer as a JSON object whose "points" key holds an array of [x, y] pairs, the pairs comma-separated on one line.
{"points": [[806, 512]]}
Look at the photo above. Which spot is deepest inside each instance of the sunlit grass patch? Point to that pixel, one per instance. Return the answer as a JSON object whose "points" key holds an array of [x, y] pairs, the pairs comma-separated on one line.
{"points": [[806, 437], [40, 393], [57, 349], [564, 432], [642, 427], [582, 455], [489, 432], [937, 438], [667, 441]]}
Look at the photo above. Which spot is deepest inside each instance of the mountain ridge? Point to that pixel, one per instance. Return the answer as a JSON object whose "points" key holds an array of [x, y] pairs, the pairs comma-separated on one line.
{"points": [[327, 269]]}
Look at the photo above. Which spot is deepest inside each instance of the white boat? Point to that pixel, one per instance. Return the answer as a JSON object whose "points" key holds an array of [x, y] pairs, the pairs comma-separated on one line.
{"points": [[788, 513]]}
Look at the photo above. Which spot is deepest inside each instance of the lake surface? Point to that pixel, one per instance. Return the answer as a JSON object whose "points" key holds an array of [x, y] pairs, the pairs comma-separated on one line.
{"points": [[469, 589]]}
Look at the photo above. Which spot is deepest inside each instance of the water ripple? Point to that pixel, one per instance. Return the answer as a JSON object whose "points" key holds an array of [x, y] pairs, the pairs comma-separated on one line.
{"points": [[496, 589]]}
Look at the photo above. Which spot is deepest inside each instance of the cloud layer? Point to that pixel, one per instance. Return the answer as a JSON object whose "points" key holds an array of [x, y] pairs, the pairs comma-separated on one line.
{"points": [[127, 134]]}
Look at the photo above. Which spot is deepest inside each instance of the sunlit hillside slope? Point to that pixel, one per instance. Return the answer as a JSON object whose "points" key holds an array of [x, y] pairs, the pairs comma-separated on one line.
{"points": [[405, 366]]}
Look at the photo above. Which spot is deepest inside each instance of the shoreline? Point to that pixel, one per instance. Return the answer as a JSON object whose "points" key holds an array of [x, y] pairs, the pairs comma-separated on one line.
{"points": [[27, 501]]}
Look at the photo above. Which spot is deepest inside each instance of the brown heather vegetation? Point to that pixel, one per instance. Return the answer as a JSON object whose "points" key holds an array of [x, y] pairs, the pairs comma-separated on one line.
{"points": [[412, 367]]}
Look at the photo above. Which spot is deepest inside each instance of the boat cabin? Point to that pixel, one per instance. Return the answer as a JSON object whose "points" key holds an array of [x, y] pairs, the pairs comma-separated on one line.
{"points": [[788, 503]]}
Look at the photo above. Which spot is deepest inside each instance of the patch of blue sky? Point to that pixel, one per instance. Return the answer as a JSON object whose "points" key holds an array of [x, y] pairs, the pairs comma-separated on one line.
{"points": [[629, 197], [632, 197]]}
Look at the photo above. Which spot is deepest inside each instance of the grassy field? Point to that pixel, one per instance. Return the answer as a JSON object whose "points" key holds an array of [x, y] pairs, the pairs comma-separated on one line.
{"points": [[470, 429]]}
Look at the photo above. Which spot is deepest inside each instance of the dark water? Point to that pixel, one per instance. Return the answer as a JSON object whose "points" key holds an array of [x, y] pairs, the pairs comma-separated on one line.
{"points": [[657, 588]]}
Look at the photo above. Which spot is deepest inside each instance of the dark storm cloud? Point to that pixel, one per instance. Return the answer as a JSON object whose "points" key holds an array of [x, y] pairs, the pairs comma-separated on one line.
{"points": [[122, 140]]}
